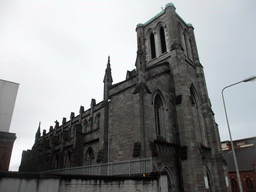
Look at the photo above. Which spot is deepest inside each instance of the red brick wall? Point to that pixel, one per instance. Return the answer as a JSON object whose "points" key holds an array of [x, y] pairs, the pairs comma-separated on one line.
{"points": [[243, 176], [6, 144]]}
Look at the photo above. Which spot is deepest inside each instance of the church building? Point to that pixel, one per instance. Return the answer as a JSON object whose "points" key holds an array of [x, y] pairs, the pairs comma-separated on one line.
{"points": [[160, 111]]}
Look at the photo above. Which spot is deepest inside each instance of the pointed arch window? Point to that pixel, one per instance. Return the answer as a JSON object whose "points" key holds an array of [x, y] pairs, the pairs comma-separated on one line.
{"points": [[208, 179], [249, 183], [89, 156], [162, 39], [170, 180], [234, 185], [67, 160], [91, 123], [200, 131], [152, 46], [184, 44], [56, 162], [183, 40], [188, 45], [85, 126], [97, 121], [158, 108]]}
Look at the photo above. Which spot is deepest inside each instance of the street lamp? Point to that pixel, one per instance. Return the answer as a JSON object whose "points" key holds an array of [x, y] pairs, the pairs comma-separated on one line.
{"points": [[234, 155]]}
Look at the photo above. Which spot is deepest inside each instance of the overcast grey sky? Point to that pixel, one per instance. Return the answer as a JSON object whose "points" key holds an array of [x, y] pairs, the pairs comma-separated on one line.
{"points": [[57, 51]]}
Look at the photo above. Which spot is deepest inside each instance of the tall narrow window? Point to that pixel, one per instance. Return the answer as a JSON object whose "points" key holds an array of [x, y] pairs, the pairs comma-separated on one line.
{"points": [[234, 185], [91, 123], [67, 160], [97, 121], [158, 105], [170, 181], [209, 180], [184, 44], [56, 162], [188, 43], [152, 45], [200, 128], [249, 183], [89, 156], [85, 126], [162, 38]]}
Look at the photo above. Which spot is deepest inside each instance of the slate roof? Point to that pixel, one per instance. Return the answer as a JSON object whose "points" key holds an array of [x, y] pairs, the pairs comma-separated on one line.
{"points": [[246, 158]]}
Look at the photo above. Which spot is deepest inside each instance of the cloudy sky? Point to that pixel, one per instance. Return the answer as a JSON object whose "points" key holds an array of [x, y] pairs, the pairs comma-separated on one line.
{"points": [[57, 51]]}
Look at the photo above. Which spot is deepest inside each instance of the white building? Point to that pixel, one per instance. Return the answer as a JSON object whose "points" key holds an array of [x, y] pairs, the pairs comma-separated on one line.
{"points": [[8, 93]]}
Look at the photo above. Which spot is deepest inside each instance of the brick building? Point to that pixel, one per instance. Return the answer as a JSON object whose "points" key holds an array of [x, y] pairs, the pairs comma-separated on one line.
{"points": [[246, 159], [161, 110]]}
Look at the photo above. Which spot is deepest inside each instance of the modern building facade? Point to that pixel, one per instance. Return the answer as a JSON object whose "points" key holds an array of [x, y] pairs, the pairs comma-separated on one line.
{"points": [[160, 111], [8, 94]]}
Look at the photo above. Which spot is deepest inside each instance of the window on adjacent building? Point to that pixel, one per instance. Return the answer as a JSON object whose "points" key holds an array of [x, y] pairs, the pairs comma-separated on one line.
{"points": [[249, 183], [234, 184]]}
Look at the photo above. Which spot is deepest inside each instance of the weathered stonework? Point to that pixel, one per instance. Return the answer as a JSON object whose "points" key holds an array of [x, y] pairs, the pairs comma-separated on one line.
{"points": [[161, 110]]}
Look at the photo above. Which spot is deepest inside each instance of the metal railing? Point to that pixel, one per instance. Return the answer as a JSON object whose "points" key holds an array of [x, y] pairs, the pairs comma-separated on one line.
{"points": [[135, 166]]}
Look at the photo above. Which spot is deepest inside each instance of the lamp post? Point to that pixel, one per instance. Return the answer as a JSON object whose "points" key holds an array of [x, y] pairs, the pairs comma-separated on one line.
{"points": [[233, 150]]}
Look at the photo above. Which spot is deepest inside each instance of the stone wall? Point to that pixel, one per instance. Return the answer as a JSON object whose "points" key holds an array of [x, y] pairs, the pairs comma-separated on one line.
{"points": [[16, 182]]}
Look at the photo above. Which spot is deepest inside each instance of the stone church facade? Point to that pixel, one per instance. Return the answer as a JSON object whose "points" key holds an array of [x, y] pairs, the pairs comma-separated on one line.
{"points": [[161, 110]]}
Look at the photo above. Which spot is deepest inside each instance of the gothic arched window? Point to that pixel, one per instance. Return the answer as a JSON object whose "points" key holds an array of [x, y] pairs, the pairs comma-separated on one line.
{"points": [[183, 40], [200, 131], [162, 40], [158, 108], [249, 183], [234, 184], [188, 45], [89, 156], [67, 160], [85, 126], [170, 181], [56, 162], [152, 46], [91, 123], [97, 121]]}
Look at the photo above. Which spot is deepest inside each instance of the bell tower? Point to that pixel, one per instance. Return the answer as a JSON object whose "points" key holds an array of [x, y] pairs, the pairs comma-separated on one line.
{"points": [[182, 116]]}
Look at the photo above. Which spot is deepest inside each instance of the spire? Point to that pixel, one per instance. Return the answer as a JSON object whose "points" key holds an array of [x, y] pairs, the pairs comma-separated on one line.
{"points": [[108, 65], [107, 80], [108, 76], [38, 133], [39, 128]]}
